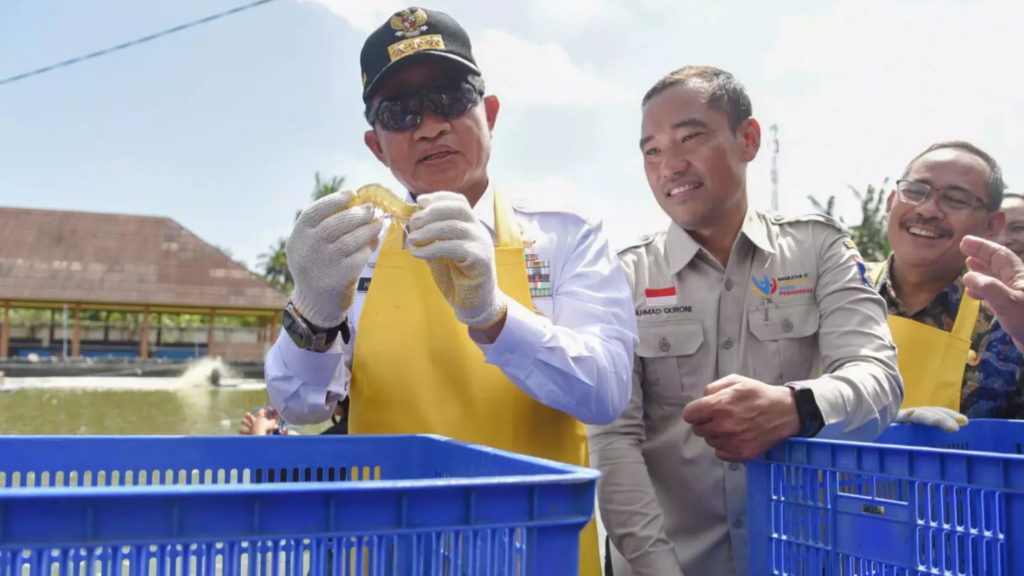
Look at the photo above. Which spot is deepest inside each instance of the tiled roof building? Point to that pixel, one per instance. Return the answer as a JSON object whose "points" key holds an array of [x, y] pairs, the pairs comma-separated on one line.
{"points": [[50, 258]]}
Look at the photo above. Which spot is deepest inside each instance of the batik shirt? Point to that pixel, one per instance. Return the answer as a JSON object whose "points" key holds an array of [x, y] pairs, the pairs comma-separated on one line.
{"points": [[994, 387]]}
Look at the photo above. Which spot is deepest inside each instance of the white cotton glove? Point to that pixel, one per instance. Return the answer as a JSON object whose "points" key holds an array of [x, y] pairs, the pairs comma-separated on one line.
{"points": [[948, 420], [326, 252], [460, 252]]}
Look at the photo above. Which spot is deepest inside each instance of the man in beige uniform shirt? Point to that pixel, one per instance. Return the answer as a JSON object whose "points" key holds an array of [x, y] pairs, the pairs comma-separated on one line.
{"points": [[753, 328]]}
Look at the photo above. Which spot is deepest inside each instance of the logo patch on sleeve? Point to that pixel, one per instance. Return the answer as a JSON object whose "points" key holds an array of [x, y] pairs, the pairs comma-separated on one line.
{"points": [[363, 285], [863, 269]]}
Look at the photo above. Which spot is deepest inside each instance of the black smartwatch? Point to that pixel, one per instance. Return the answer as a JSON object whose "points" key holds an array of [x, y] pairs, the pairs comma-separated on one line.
{"points": [[310, 337], [811, 420]]}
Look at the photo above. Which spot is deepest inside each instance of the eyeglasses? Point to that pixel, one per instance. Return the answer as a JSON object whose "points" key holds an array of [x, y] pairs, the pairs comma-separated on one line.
{"points": [[404, 111], [951, 200]]}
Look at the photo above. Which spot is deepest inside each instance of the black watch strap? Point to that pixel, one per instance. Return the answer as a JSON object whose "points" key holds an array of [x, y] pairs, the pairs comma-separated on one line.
{"points": [[811, 420], [308, 336]]}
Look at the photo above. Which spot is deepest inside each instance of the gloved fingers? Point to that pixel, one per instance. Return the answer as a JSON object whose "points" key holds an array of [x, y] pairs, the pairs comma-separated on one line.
{"points": [[426, 200], [442, 211], [334, 250], [445, 230], [323, 208], [947, 412], [460, 252], [948, 420], [311, 260], [942, 420], [343, 223]]}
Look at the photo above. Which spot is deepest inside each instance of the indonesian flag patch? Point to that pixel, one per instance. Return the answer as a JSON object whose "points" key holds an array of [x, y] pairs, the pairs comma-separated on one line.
{"points": [[661, 296]]}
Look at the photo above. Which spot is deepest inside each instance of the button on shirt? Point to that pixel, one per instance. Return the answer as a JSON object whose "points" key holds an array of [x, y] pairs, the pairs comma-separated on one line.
{"points": [[791, 305], [574, 353]]}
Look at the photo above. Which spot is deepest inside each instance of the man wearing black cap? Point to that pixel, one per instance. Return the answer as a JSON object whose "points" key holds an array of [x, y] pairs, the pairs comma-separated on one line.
{"points": [[542, 336]]}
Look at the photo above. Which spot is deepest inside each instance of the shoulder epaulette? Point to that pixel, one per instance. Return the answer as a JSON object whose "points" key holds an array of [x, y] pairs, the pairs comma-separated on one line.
{"points": [[637, 243], [808, 217]]}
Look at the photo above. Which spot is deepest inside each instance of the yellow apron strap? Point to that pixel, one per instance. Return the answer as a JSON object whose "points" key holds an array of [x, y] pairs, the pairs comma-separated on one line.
{"points": [[504, 223], [966, 318], [394, 240]]}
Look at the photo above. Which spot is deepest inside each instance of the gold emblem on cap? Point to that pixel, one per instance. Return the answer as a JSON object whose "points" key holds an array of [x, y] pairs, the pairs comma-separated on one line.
{"points": [[410, 22], [364, 79], [413, 45]]}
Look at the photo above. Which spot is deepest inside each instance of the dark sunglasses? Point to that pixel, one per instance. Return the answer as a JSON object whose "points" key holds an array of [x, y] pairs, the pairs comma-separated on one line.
{"points": [[404, 111]]}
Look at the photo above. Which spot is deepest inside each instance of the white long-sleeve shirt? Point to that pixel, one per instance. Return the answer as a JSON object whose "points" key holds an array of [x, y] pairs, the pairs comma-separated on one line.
{"points": [[577, 357]]}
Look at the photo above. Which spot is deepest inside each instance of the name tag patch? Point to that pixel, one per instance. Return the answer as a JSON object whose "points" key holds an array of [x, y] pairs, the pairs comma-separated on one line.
{"points": [[663, 311]]}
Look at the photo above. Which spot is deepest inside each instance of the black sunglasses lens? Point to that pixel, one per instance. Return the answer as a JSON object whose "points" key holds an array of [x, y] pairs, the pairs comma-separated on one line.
{"points": [[452, 101], [405, 112], [400, 114]]}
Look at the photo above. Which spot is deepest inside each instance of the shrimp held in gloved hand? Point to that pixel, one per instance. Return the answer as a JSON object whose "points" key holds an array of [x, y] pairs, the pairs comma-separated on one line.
{"points": [[384, 199], [460, 252]]}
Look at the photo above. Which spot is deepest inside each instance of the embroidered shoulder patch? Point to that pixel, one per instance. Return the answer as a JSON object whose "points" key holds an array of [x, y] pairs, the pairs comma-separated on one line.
{"points": [[863, 269], [538, 274]]}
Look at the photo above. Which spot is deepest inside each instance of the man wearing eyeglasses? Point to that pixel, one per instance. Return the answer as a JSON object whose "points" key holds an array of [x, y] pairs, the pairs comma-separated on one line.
{"points": [[955, 358], [490, 322]]}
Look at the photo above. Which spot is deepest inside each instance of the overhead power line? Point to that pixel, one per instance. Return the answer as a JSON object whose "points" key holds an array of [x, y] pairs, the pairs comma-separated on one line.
{"points": [[136, 42]]}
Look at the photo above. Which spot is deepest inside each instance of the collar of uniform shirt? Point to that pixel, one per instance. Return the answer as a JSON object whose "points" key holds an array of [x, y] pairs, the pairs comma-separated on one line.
{"points": [[939, 304], [682, 246], [484, 209]]}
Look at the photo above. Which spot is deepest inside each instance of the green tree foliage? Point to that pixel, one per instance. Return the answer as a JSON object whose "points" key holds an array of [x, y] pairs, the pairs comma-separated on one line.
{"points": [[870, 232]]}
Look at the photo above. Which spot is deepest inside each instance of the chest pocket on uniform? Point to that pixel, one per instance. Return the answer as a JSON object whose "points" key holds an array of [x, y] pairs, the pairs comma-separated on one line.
{"points": [[786, 348], [672, 367]]}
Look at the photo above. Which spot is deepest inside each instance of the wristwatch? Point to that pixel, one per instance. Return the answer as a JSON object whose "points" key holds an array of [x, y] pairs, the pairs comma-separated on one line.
{"points": [[811, 420], [310, 337]]}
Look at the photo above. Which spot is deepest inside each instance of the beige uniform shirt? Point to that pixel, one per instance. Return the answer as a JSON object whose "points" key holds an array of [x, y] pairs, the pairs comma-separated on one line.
{"points": [[792, 304]]}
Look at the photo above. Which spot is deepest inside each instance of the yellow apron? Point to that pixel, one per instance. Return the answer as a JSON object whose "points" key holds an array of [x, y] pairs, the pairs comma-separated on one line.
{"points": [[932, 361], [415, 370]]}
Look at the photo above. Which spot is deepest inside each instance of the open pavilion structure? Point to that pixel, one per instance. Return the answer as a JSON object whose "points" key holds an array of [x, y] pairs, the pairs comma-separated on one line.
{"points": [[78, 263]]}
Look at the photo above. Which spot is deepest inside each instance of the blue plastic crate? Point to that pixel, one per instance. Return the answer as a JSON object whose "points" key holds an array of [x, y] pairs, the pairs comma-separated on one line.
{"points": [[918, 501], [408, 505]]}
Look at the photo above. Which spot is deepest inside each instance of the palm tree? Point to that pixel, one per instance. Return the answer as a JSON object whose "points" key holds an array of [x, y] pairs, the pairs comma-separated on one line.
{"points": [[322, 188], [870, 234], [274, 267]]}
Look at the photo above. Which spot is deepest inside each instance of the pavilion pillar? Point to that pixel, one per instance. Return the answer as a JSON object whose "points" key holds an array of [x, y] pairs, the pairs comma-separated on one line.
{"points": [[76, 337], [144, 335], [5, 331], [209, 337]]}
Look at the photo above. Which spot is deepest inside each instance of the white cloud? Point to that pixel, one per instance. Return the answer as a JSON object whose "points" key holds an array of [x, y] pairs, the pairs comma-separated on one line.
{"points": [[573, 13], [363, 15], [523, 71], [862, 88]]}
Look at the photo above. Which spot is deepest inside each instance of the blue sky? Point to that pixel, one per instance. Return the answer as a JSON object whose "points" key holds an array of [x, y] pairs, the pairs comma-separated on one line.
{"points": [[222, 127]]}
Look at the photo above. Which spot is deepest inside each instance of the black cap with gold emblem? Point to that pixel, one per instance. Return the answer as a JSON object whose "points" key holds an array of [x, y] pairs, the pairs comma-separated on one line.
{"points": [[409, 36]]}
